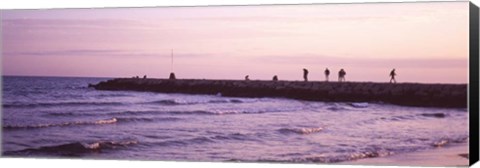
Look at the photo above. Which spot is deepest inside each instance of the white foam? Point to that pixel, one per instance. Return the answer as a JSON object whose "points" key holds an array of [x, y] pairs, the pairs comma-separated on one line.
{"points": [[108, 121], [303, 131], [360, 105]]}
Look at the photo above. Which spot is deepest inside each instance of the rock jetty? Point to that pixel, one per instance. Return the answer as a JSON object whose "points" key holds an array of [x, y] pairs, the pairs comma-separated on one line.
{"points": [[407, 94]]}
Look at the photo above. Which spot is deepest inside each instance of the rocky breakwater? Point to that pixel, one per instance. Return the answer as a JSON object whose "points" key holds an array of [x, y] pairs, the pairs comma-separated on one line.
{"points": [[408, 94]]}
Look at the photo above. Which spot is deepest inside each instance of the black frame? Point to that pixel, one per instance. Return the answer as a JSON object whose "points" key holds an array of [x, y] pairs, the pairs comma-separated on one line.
{"points": [[474, 84]]}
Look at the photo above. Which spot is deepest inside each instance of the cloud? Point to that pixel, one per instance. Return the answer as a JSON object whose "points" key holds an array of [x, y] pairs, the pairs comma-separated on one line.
{"points": [[312, 59], [64, 53], [287, 19], [93, 52], [76, 23]]}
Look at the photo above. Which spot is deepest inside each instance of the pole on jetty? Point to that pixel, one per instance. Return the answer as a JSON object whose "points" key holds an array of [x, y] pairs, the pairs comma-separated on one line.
{"points": [[171, 64], [172, 74]]}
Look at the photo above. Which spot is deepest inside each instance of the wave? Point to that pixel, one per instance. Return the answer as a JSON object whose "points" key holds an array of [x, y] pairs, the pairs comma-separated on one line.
{"points": [[112, 95], [159, 112], [228, 111], [127, 113], [326, 159], [53, 104], [154, 112], [140, 119], [409, 117], [396, 118], [73, 114], [359, 105], [65, 124], [338, 108], [75, 87], [184, 142], [302, 131], [236, 137], [173, 102], [117, 113], [200, 112], [227, 101], [194, 112], [347, 106], [369, 152], [204, 139], [343, 158], [169, 102], [235, 101], [73, 149], [235, 111], [446, 141], [114, 120]]}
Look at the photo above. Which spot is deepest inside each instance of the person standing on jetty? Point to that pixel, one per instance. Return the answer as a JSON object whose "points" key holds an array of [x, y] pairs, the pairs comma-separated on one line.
{"points": [[327, 73], [275, 78], [172, 76], [392, 76], [305, 74], [341, 75], [246, 78]]}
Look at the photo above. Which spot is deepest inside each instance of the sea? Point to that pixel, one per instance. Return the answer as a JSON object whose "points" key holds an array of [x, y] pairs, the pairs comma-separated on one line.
{"points": [[61, 117]]}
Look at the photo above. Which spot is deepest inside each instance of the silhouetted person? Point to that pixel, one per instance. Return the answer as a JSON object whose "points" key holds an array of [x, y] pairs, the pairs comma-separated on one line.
{"points": [[172, 76], [305, 74], [144, 76], [341, 75], [327, 72], [392, 76], [275, 78], [246, 78]]}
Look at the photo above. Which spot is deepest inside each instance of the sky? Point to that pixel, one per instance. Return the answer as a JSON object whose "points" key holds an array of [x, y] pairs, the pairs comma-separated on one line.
{"points": [[424, 42]]}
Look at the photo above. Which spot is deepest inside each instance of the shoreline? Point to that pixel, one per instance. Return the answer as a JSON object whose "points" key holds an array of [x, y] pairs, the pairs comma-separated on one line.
{"points": [[406, 94], [449, 156]]}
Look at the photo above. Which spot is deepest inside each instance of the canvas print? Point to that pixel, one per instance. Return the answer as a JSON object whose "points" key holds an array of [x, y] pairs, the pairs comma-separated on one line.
{"points": [[367, 83]]}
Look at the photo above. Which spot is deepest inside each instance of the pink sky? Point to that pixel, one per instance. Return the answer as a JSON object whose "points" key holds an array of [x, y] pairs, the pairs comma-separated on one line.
{"points": [[425, 42]]}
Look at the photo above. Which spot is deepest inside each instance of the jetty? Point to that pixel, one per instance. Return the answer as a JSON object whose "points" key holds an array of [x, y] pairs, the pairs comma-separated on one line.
{"points": [[406, 94]]}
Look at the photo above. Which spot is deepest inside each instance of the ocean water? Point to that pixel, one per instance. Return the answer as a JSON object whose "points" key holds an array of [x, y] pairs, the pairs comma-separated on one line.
{"points": [[62, 117]]}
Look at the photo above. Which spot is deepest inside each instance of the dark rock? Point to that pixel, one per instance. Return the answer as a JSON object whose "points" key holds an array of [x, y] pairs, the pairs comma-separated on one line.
{"points": [[465, 155], [408, 94], [436, 115]]}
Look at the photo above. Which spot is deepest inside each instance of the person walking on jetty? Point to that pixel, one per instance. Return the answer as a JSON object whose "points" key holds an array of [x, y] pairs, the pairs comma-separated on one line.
{"points": [[327, 73], [246, 78], [305, 74], [341, 75], [392, 76]]}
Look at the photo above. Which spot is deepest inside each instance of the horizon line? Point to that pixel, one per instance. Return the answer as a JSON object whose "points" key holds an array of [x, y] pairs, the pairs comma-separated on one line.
{"points": [[333, 81]]}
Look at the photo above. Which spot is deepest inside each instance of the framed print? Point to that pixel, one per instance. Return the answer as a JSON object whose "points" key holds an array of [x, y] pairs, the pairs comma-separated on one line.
{"points": [[338, 84]]}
